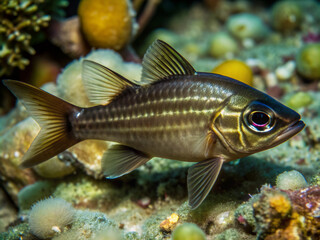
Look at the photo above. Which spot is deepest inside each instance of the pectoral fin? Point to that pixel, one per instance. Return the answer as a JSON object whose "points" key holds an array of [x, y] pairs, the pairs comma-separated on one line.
{"points": [[201, 178], [120, 160]]}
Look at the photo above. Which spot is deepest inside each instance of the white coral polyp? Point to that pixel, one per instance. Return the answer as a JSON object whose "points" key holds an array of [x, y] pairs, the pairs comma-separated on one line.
{"points": [[49, 215]]}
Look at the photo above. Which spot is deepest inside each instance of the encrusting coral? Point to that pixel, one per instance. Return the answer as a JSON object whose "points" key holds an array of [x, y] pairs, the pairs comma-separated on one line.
{"points": [[284, 214], [20, 23]]}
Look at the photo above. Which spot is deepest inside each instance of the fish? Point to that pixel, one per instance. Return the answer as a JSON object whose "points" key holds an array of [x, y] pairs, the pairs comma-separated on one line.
{"points": [[173, 112]]}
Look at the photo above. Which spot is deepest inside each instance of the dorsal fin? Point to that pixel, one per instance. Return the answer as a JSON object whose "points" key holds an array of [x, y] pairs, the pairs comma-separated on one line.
{"points": [[101, 83], [161, 61]]}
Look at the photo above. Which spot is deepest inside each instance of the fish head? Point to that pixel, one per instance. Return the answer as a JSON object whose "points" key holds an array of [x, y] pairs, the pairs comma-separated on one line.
{"points": [[253, 122]]}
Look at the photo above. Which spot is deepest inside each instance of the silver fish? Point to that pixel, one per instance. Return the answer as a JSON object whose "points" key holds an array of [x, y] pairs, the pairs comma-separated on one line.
{"points": [[175, 113]]}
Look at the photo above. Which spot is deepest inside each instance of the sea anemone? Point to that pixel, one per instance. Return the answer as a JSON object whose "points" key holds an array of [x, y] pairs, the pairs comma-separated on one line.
{"points": [[50, 216]]}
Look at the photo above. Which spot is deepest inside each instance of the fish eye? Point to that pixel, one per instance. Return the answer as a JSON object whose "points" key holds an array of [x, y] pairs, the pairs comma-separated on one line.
{"points": [[259, 117], [259, 121]]}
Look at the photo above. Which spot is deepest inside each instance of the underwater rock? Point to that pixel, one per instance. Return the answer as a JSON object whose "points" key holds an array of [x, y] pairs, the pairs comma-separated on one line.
{"points": [[67, 35], [8, 212], [54, 168], [13, 144], [235, 69], [247, 26], [308, 61], [286, 71], [232, 234], [50, 217], [33, 193], [107, 27], [286, 16], [87, 225], [222, 45]]}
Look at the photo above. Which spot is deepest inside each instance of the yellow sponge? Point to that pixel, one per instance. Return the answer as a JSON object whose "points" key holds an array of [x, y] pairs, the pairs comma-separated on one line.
{"points": [[235, 69], [106, 23]]}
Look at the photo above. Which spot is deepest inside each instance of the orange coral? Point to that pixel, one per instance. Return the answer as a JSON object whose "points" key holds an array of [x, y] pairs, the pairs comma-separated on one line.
{"points": [[106, 23], [170, 223], [281, 204]]}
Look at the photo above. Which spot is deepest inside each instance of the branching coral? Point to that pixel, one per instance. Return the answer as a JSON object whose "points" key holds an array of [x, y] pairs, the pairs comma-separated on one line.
{"points": [[19, 21]]}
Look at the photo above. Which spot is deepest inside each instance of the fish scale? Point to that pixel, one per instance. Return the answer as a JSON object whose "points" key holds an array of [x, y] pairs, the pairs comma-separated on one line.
{"points": [[148, 116], [174, 112]]}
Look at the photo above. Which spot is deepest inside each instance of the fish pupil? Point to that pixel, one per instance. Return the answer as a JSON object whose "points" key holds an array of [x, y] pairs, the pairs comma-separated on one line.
{"points": [[260, 119]]}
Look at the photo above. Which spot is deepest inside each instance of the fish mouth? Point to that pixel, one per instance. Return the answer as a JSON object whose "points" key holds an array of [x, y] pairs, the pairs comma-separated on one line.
{"points": [[289, 132]]}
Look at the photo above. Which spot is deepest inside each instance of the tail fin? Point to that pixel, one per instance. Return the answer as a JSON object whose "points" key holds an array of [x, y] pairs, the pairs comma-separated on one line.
{"points": [[52, 114]]}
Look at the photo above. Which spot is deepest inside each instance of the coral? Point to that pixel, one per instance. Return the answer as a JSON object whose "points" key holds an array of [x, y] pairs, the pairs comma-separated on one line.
{"points": [[19, 232], [291, 180], [86, 192], [286, 16], [308, 61], [235, 69], [35, 192], [247, 26], [107, 27], [108, 234], [69, 82], [87, 225], [170, 223], [232, 234], [188, 231], [287, 214], [222, 45], [49, 217], [271, 211], [21, 22]]}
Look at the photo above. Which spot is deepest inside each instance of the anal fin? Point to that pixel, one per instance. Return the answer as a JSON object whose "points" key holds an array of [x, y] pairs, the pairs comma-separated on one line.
{"points": [[201, 178], [121, 159]]}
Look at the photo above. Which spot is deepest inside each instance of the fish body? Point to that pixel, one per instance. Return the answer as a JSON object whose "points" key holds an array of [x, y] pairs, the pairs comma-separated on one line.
{"points": [[173, 115], [176, 113]]}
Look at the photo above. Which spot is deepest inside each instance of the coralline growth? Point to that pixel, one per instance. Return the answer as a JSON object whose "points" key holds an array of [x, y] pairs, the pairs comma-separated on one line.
{"points": [[20, 24]]}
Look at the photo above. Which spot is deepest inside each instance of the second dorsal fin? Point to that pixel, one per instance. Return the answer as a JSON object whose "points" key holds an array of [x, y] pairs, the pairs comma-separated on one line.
{"points": [[161, 61], [101, 83]]}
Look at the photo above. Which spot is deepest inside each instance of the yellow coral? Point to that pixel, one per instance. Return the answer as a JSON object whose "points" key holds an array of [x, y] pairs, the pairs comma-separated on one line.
{"points": [[281, 204], [235, 69], [106, 23], [170, 223]]}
